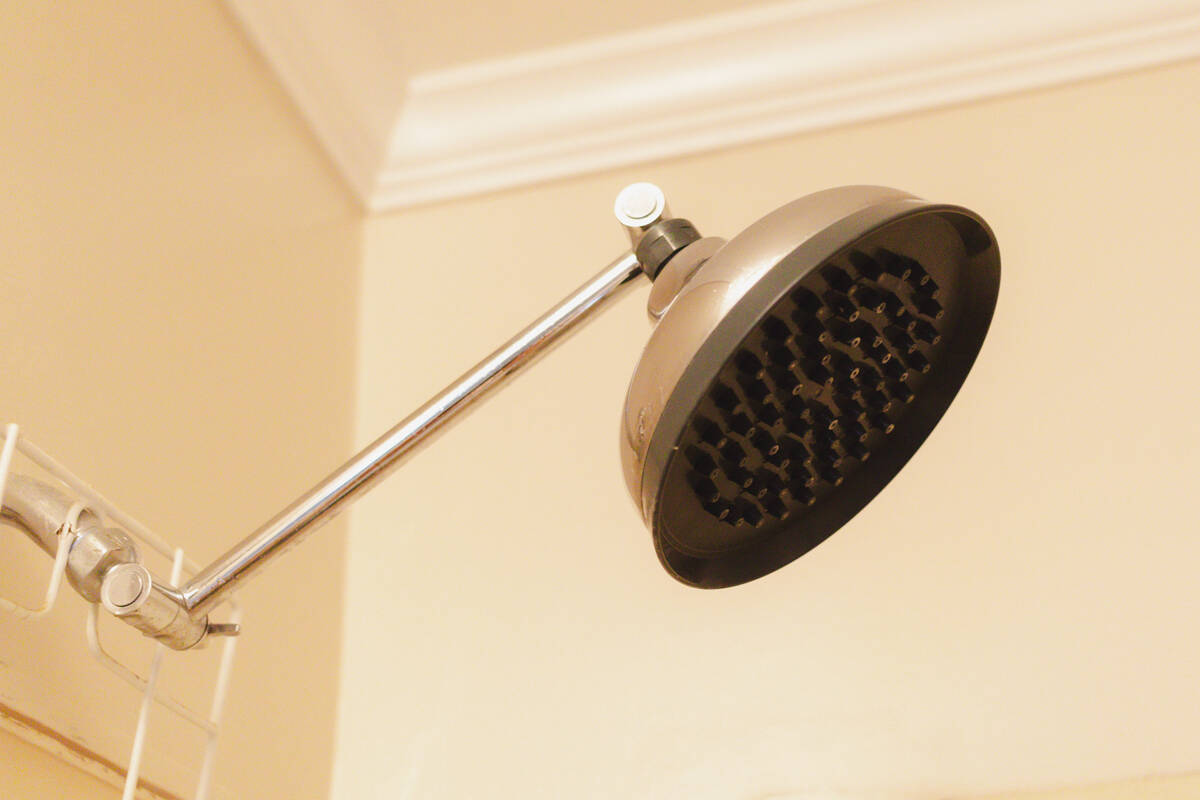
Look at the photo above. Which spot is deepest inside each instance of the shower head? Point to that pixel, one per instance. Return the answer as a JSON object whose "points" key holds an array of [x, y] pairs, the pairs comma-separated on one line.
{"points": [[795, 369]]}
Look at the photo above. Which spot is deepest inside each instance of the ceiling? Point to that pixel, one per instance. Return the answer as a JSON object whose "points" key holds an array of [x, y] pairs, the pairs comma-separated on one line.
{"points": [[420, 102]]}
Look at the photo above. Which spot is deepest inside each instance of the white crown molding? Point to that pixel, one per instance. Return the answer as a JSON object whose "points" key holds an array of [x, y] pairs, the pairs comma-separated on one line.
{"points": [[687, 87]]}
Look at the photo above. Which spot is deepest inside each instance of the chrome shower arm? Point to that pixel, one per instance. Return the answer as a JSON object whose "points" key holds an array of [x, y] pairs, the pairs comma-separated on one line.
{"points": [[365, 470], [112, 572]]}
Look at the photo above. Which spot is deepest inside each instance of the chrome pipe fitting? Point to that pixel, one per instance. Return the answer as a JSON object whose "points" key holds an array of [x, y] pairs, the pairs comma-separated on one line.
{"points": [[103, 564], [131, 594]]}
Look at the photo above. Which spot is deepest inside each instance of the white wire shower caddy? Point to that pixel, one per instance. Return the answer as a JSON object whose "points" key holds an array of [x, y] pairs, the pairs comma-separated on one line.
{"points": [[87, 498]]}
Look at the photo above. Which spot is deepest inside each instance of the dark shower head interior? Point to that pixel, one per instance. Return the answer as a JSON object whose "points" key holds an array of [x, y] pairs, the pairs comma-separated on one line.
{"points": [[815, 388]]}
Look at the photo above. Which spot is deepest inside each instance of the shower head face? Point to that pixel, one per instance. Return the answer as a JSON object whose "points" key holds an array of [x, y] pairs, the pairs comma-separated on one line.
{"points": [[797, 370]]}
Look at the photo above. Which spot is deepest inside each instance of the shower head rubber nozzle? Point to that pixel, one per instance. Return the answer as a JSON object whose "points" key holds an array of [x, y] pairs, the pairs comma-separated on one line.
{"points": [[795, 369]]}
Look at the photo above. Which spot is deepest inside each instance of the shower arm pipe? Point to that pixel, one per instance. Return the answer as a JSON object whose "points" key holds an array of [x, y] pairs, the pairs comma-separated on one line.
{"points": [[365, 470]]}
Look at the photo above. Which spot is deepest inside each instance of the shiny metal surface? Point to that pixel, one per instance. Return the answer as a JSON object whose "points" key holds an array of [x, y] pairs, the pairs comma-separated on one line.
{"points": [[103, 565], [160, 616], [706, 297], [740, 453], [637, 207], [96, 551], [124, 586], [678, 271], [41, 511], [365, 469]]}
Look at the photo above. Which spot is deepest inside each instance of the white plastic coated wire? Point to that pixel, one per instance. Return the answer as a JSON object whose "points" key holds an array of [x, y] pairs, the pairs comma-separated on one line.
{"points": [[210, 724], [139, 737], [66, 535]]}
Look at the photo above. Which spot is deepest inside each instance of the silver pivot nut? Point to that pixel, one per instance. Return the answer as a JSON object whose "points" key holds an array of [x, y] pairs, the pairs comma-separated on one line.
{"points": [[655, 235], [125, 588], [638, 206]]}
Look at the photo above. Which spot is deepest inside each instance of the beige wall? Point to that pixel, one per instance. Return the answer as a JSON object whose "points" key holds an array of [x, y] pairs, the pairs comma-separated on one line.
{"points": [[178, 272], [1183, 787], [1016, 610]]}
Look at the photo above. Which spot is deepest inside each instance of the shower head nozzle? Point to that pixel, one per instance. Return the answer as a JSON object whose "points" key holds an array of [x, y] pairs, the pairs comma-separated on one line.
{"points": [[795, 369]]}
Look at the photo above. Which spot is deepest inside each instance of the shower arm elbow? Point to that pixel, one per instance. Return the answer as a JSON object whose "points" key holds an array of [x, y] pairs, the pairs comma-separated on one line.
{"points": [[102, 564]]}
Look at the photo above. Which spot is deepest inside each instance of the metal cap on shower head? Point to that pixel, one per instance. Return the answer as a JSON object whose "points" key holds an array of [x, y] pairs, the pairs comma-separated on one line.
{"points": [[654, 234], [795, 369]]}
